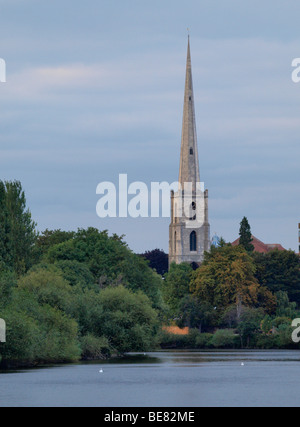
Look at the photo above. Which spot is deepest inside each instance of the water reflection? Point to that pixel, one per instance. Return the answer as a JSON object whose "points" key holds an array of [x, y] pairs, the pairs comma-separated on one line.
{"points": [[202, 357]]}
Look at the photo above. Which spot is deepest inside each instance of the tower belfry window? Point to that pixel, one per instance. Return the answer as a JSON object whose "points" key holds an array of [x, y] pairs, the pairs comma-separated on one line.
{"points": [[193, 241], [191, 151]]}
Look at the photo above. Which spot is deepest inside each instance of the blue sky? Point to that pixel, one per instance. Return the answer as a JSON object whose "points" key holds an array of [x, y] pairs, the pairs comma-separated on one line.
{"points": [[95, 89]]}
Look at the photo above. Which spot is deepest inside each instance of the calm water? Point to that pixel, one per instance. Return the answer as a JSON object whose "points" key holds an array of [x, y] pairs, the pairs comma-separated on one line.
{"points": [[174, 379]]}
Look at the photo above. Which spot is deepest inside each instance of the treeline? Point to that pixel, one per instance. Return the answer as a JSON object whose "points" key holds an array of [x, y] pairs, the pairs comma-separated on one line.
{"points": [[238, 298], [67, 296]]}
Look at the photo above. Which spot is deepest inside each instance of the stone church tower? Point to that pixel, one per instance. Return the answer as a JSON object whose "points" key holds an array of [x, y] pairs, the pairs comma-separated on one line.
{"points": [[189, 228]]}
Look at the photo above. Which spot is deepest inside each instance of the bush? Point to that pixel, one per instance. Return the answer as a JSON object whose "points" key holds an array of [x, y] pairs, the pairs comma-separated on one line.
{"points": [[128, 319], [169, 341], [48, 287], [267, 342], [58, 337], [77, 273], [225, 338], [194, 340], [204, 341], [21, 339], [94, 348]]}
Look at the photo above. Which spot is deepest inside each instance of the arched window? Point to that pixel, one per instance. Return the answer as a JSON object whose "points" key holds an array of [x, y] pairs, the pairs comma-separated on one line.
{"points": [[175, 242], [193, 241]]}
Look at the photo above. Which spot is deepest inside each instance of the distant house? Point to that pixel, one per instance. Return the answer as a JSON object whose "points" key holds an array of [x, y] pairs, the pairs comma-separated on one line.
{"points": [[260, 246]]}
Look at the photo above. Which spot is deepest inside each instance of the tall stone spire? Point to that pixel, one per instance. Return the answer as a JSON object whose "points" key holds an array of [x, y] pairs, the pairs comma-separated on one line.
{"points": [[189, 161], [189, 229]]}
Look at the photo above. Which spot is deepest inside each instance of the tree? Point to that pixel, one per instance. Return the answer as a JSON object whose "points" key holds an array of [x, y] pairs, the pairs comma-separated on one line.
{"points": [[250, 324], [285, 308], [48, 287], [229, 317], [158, 260], [7, 283], [49, 238], [176, 286], [246, 235], [5, 249], [196, 314], [39, 330], [17, 230], [77, 273], [110, 261], [226, 277], [279, 271], [128, 321]]}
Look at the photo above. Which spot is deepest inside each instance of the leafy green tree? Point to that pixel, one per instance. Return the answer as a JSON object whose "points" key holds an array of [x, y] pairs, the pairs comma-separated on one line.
{"points": [[7, 283], [37, 333], [17, 230], [77, 273], [279, 271], [196, 314], [58, 336], [110, 261], [87, 310], [267, 324], [250, 324], [48, 287], [285, 308], [129, 322], [47, 239], [176, 286], [229, 317], [226, 278], [22, 335], [246, 235], [5, 243], [94, 348]]}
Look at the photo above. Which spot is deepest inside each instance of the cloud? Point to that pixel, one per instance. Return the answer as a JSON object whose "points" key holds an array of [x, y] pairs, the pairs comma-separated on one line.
{"points": [[85, 103]]}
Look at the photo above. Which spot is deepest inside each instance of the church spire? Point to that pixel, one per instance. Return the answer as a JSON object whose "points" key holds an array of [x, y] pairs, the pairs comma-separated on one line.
{"points": [[189, 162], [189, 229]]}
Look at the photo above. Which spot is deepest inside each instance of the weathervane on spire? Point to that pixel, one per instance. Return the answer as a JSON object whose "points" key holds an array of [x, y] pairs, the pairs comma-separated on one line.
{"points": [[188, 30]]}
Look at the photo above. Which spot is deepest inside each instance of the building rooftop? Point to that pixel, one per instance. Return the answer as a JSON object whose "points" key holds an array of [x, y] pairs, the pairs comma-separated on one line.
{"points": [[260, 246]]}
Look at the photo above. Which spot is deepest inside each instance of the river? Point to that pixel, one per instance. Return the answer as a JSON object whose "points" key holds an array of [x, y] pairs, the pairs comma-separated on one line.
{"points": [[161, 379]]}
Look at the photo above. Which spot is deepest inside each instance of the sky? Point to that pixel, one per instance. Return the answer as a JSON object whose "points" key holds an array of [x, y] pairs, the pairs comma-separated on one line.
{"points": [[95, 89]]}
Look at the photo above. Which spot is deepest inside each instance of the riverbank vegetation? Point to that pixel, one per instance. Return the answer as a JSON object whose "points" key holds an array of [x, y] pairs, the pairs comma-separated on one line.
{"points": [[67, 296], [238, 298], [71, 295]]}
